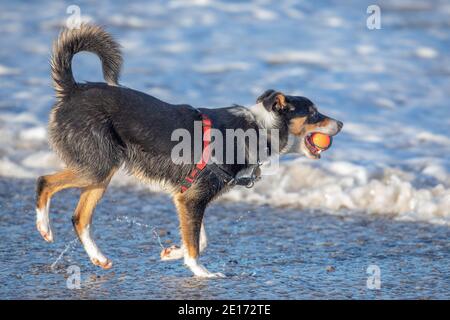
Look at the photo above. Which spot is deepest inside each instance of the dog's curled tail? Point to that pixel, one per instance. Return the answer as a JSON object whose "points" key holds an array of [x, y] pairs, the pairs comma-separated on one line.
{"points": [[89, 38]]}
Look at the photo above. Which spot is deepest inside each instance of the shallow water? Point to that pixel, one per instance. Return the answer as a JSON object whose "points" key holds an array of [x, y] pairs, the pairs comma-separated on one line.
{"points": [[380, 195], [390, 87], [266, 253]]}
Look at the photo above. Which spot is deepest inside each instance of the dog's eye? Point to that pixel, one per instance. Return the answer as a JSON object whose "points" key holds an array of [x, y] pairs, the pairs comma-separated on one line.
{"points": [[313, 115]]}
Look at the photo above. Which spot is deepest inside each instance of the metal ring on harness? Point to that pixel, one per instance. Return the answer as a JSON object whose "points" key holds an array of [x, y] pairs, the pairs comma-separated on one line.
{"points": [[251, 184]]}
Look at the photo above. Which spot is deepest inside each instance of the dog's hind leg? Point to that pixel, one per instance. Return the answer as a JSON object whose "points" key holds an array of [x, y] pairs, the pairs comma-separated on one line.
{"points": [[46, 187], [82, 221], [191, 209], [175, 252]]}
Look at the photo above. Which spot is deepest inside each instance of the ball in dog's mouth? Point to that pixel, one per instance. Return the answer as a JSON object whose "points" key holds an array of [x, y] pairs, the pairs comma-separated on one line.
{"points": [[317, 142]]}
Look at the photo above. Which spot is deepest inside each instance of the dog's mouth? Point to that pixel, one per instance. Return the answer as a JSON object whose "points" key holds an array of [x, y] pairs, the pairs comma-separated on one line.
{"points": [[309, 148], [314, 139]]}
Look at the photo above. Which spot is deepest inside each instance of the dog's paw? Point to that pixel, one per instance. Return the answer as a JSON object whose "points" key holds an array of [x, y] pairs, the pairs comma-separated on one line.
{"points": [[172, 253], [210, 275], [216, 275], [199, 270], [45, 231], [104, 264]]}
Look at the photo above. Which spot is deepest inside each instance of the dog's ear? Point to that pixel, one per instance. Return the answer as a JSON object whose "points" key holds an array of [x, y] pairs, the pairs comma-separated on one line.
{"points": [[273, 100], [264, 95]]}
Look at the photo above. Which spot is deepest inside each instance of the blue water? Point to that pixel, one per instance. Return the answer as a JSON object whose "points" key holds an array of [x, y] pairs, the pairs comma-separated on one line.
{"points": [[380, 195], [266, 253]]}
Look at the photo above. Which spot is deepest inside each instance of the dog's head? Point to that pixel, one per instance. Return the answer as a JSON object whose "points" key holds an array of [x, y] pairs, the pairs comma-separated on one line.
{"points": [[302, 118]]}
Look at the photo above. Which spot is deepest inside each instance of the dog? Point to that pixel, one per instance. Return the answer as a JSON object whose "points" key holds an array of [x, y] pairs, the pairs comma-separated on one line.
{"points": [[97, 128]]}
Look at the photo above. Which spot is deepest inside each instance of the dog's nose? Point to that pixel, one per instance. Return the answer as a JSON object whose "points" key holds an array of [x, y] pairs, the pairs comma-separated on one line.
{"points": [[340, 124]]}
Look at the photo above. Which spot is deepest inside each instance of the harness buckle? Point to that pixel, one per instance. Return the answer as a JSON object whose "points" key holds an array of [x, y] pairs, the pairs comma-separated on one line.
{"points": [[247, 177], [250, 185]]}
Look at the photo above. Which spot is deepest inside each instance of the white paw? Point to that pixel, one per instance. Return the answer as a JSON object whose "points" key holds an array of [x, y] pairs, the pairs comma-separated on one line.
{"points": [[45, 231], [43, 224], [104, 263], [206, 274], [172, 253], [93, 251], [216, 275], [199, 270]]}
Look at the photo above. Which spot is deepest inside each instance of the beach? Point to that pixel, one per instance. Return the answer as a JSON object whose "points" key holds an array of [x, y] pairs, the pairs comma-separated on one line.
{"points": [[376, 204], [266, 253]]}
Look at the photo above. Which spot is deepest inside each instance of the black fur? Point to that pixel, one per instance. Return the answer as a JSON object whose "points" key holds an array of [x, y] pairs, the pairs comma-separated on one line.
{"points": [[98, 127], [86, 38]]}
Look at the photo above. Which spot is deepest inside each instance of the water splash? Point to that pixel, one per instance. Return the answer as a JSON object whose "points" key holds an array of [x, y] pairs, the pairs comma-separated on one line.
{"points": [[68, 247], [136, 222], [132, 221]]}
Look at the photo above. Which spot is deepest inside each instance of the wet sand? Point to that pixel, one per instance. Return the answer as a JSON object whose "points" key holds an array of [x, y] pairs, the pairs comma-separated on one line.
{"points": [[266, 253]]}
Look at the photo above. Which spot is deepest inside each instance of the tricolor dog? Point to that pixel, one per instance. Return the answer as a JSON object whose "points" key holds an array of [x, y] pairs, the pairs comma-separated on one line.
{"points": [[96, 128]]}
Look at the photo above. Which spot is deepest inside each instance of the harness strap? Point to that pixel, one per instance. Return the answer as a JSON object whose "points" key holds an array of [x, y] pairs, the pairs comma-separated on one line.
{"points": [[246, 177], [206, 154]]}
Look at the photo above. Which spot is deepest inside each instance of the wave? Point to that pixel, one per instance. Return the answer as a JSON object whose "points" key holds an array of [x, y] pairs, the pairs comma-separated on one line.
{"points": [[335, 187], [340, 186]]}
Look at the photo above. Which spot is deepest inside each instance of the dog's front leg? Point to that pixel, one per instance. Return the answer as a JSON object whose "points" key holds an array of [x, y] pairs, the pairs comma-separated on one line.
{"points": [[190, 212], [175, 252]]}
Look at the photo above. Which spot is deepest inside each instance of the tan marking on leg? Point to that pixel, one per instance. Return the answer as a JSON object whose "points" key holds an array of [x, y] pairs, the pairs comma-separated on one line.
{"points": [[190, 223], [47, 186], [51, 184], [175, 252], [82, 221], [188, 226]]}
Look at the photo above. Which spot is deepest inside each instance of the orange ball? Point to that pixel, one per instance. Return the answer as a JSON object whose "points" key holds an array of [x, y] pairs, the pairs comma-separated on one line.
{"points": [[321, 140]]}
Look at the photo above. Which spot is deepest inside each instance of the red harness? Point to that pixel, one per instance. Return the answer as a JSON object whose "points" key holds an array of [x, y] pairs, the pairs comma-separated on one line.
{"points": [[206, 155]]}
